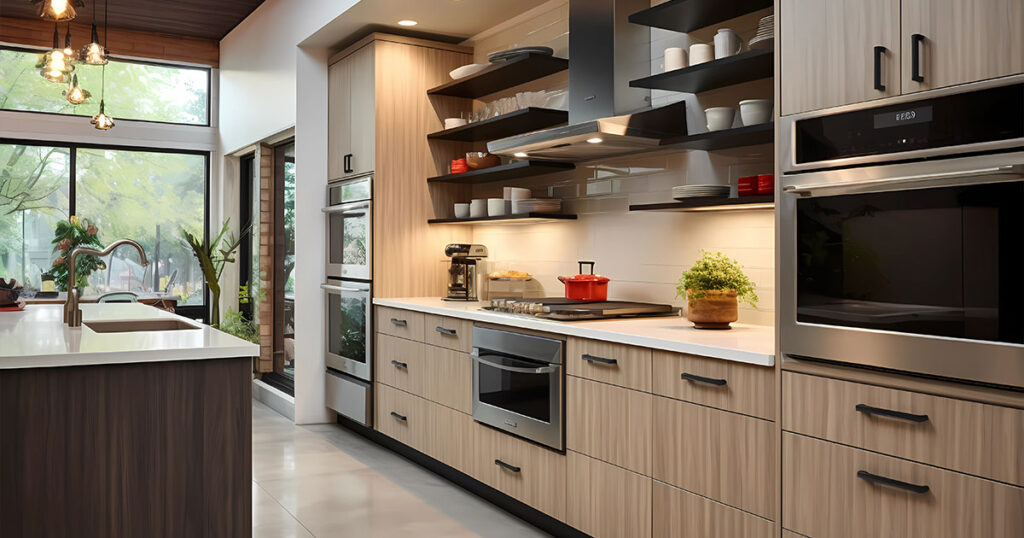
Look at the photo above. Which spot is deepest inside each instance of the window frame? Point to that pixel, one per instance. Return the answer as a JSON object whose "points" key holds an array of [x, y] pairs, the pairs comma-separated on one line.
{"points": [[201, 311], [209, 87]]}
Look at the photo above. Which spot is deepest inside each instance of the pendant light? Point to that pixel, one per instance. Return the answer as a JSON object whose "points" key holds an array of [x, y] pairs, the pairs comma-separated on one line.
{"points": [[75, 94], [55, 66], [57, 10], [69, 51], [102, 121], [94, 53]]}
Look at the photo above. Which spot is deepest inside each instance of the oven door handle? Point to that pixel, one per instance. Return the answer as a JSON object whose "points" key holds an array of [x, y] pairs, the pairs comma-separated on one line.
{"points": [[349, 209], [519, 370], [1016, 170], [339, 288]]}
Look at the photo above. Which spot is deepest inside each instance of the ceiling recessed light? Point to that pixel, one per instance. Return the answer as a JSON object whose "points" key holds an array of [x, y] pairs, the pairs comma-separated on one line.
{"points": [[407, 22], [595, 140], [520, 154]]}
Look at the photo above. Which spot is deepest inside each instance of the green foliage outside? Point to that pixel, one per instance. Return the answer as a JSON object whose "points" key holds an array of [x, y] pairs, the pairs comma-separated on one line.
{"points": [[33, 197], [716, 271], [212, 257], [236, 324]]}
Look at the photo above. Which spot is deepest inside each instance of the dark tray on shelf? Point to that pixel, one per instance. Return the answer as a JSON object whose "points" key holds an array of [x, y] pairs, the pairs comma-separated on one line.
{"points": [[503, 75], [513, 170], [513, 123], [511, 219], [707, 202], [688, 15], [743, 67], [738, 137]]}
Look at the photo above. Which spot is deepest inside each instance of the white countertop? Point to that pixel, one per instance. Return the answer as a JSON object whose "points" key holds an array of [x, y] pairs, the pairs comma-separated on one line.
{"points": [[753, 344], [37, 338]]}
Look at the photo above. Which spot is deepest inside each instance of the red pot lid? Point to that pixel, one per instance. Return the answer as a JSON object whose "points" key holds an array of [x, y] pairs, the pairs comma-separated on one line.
{"points": [[584, 278]]}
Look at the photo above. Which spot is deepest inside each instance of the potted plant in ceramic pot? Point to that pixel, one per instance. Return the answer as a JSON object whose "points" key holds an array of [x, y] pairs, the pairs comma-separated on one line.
{"points": [[713, 288]]}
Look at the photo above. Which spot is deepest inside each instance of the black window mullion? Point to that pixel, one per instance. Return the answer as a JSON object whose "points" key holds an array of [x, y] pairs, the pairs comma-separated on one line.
{"points": [[73, 178]]}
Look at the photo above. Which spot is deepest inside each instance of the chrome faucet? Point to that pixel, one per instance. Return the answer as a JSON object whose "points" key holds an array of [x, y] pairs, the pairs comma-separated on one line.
{"points": [[72, 313]]}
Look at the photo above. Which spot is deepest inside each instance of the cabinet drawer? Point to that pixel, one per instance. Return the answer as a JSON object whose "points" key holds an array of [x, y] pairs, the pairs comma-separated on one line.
{"points": [[609, 423], [733, 386], [398, 363], [404, 417], [720, 455], [448, 332], [979, 439], [401, 323], [835, 491], [681, 514], [605, 500], [447, 378], [527, 472], [618, 364], [454, 443]]}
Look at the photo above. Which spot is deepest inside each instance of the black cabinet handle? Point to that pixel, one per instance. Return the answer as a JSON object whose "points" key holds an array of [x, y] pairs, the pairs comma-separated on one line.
{"points": [[403, 418], [400, 364], [348, 163], [879, 52], [442, 330], [702, 379], [399, 322], [915, 58], [599, 360], [504, 465], [868, 410], [891, 482]]}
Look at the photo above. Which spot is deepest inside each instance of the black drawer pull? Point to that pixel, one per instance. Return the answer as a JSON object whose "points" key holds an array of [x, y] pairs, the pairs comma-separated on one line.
{"points": [[884, 481], [400, 364], [915, 58], [399, 322], [879, 51], [868, 410], [599, 360], [702, 379], [403, 418], [504, 465], [442, 330]]}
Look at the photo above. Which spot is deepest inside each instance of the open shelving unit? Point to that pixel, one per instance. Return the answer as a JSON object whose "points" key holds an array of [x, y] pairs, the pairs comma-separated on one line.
{"points": [[738, 137], [525, 218], [521, 121], [743, 67], [709, 203], [503, 75], [513, 170], [689, 15]]}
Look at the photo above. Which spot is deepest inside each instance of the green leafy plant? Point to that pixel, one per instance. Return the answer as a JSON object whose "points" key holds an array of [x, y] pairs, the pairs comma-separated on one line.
{"points": [[236, 324], [212, 257], [67, 236], [716, 271]]}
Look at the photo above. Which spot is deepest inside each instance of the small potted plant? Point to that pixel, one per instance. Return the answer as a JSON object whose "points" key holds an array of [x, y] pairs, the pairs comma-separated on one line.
{"points": [[67, 236], [713, 288]]}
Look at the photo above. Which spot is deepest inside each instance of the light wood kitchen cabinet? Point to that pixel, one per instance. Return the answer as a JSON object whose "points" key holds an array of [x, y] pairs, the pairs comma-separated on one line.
{"points": [[618, 364], [351, 114], [609, 423], [962, 41], [454, 443], [401, 323], [828, 52], [399, 363], [447, 378], [520, 469], [834, 491], [681, 514], [607, 501], [733, 386], [448, 332], [403, 417]]}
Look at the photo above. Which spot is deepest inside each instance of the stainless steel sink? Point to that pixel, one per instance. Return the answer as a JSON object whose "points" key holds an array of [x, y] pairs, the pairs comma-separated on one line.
{"points": [[139, 325]]}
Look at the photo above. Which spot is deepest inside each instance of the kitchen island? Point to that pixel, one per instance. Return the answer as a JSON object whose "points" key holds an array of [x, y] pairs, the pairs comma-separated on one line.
{"points": [[138, 423]]}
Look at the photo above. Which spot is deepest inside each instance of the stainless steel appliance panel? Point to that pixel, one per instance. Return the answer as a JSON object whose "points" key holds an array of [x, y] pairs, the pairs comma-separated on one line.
{"points": [[350, 397], [349, 229], [348, 327]]}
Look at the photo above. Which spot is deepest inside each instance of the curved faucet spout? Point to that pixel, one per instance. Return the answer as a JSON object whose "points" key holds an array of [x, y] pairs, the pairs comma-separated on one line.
{"points": [[72, 313]]}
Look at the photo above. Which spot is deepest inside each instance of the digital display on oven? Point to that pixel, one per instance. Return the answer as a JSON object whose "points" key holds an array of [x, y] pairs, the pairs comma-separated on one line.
{"points": [[910, 116]]}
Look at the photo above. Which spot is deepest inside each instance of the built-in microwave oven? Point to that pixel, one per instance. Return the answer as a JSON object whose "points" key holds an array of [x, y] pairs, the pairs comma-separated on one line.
{"points": [[349, 228], [902, 234]]}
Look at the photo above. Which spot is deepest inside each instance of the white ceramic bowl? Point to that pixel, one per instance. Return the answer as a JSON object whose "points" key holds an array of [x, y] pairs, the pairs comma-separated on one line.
{"points": [[478, 208], [495, 207], [755, 111], [466, 70], [519, 193], [720, 117], [451, 123], [461, 211]]}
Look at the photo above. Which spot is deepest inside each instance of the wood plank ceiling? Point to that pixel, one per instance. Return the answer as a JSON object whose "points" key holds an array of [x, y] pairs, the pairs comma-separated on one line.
{"points": [[210, 19]]}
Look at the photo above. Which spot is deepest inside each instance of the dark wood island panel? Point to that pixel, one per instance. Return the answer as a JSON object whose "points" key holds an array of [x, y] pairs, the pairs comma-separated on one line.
{"points": [[159, 449]]}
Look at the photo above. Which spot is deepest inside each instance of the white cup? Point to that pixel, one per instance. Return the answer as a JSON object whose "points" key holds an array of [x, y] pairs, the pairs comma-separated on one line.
{"points": [[451, 123], [700, 53], [478, 208], [755, 111], [675, 58], [495, 207], [720, 117], [461, 211], [727, 43], [519, 193]]}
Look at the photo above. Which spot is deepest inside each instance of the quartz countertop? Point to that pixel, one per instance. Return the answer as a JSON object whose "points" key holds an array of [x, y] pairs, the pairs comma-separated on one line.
{"points": [[752, 344], [36, 337]]}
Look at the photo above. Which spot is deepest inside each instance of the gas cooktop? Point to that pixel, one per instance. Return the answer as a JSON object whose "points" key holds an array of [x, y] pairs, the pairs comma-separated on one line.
{"points": [[562, 309]]}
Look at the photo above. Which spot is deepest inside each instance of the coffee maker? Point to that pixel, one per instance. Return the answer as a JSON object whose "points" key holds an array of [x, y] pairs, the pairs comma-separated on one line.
{"points": [[462, 273]]}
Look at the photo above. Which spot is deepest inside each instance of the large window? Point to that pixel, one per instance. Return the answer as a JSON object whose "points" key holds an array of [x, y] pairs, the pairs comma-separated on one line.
{"points": [[134, 90], [145, 195]]}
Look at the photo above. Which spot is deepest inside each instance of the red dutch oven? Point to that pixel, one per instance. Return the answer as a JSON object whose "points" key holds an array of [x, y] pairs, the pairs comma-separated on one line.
{"points": [[586, 286]]}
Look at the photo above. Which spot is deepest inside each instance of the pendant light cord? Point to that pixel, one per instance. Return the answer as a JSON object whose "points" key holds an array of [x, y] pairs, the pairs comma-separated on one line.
{"points": [[106, 25]]}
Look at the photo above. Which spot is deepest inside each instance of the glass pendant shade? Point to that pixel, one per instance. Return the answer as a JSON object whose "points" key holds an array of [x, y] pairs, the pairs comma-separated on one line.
{"points": [[57, 10], [55, 66], [93, 53], [102, 121], [76, 95]]}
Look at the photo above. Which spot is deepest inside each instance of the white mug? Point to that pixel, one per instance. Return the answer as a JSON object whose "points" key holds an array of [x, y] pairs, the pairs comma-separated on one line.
{"points": [[461, 211], [727, 43], [478, 208], [700, 53], [675, 58], [495, 207]]}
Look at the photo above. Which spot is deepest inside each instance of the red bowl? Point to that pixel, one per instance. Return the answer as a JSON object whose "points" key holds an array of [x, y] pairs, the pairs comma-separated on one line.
{"points": [[766, 184]]}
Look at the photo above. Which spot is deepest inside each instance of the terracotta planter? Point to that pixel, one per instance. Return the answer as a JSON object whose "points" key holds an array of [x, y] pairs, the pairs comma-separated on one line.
{"points": [[715, 310]]}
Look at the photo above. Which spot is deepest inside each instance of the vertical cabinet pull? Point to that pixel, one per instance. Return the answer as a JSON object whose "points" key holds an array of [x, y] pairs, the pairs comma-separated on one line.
{"points": [[702, 379], [869, 410], [891, 482], [598, 360], [398, 364], [915, 58], [506, 466], [399, 322], [348, 163], [403, 418], [879, 52], [442, 330]]}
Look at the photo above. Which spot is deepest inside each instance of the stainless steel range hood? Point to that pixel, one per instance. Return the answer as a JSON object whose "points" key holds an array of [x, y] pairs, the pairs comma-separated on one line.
{"points": [[607, 118]]}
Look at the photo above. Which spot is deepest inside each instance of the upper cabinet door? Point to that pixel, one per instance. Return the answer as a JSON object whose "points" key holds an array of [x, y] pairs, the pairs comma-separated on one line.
{"points": [[362, 110], [338, 119], [961, 41], [828, 52]]}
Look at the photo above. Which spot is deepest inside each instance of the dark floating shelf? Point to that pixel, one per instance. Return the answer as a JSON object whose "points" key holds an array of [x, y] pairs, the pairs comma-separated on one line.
{"points": [[689, 15], [513, 123], [763, 133], [503, 75], [743, 67], [514, 170], [525, 218], [717, 203]]}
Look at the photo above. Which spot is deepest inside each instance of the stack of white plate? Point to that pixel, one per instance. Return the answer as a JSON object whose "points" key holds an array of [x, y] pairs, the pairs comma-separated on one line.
{"points": [[697, 191], [765, 37], [536, 205]]}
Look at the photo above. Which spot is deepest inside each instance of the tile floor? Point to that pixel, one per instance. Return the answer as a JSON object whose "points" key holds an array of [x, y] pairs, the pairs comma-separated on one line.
{"points": [[326, 481]]}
